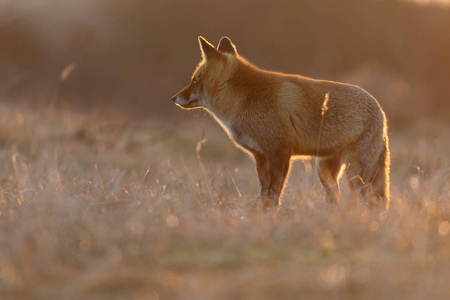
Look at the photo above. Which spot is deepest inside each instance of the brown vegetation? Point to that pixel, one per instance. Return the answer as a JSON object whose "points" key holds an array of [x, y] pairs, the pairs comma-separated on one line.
{"points": [[101, 209]]}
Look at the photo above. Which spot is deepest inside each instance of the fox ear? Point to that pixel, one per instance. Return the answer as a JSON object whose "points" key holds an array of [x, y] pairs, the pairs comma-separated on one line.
{"points": [[208, 50], [225, 45]]}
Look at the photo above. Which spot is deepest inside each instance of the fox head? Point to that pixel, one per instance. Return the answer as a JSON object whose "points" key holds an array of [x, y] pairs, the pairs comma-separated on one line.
{"points": [[209, 76]]}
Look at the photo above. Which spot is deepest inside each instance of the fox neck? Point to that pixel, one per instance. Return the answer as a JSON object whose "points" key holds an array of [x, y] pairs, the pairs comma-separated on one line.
{"points": [[223, 101], [228, 105]]}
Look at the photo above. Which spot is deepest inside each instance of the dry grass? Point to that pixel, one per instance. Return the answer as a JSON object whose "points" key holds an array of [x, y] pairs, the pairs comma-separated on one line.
{"points": [[94, 209]]}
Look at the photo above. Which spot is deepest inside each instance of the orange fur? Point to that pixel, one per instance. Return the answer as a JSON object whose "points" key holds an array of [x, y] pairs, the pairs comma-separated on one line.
{"points": [[275, 116]]}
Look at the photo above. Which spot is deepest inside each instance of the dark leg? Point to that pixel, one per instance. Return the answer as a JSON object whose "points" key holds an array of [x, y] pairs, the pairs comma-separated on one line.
{"points": [[272, 173], [328, 171], [377, 176]]}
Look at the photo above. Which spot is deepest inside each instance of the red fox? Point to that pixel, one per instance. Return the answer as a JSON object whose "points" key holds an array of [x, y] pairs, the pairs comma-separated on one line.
{"points": [[275, 116]]}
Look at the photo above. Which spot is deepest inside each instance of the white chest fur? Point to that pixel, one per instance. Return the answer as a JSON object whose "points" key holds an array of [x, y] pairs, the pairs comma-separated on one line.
{"points": [[240, 136]]}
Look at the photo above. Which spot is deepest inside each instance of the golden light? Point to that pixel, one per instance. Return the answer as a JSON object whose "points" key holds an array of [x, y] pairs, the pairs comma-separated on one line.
{"points": [[66, 72], [85, 245], [172, 221], [325, 103], [414, 181], [20, 119], [374, 226], [428, 2], [444, 228], [336, 273]]}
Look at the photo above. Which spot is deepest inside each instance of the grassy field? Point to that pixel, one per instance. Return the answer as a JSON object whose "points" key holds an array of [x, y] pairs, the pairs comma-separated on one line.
{"points": [[101, 207]]}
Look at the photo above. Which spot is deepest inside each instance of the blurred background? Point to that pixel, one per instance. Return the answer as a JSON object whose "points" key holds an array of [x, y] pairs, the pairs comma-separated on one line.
{"points": [[132, 56], [110, 191]]}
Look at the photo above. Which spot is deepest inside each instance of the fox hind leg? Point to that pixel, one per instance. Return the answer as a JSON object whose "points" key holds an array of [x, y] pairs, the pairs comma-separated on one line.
{"points": [[370, 176], [379, 180], [328, 171]]}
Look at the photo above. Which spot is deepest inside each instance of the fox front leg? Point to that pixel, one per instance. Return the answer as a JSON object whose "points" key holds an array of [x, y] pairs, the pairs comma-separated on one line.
{"points": [[272, 173]]}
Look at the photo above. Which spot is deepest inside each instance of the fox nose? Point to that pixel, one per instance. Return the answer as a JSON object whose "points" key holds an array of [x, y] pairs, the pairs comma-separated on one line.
{"points": [[174, 98]]}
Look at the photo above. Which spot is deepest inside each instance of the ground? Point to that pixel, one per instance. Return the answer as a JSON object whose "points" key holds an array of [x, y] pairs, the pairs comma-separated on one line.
{"points": [[99, 206]]}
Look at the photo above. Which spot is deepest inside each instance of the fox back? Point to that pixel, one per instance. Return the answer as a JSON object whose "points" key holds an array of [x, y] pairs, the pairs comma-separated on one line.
{"points": [[274, 116]]}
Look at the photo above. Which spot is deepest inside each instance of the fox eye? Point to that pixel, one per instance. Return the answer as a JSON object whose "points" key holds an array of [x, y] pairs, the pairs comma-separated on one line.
{"points": [[194, 81]]}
